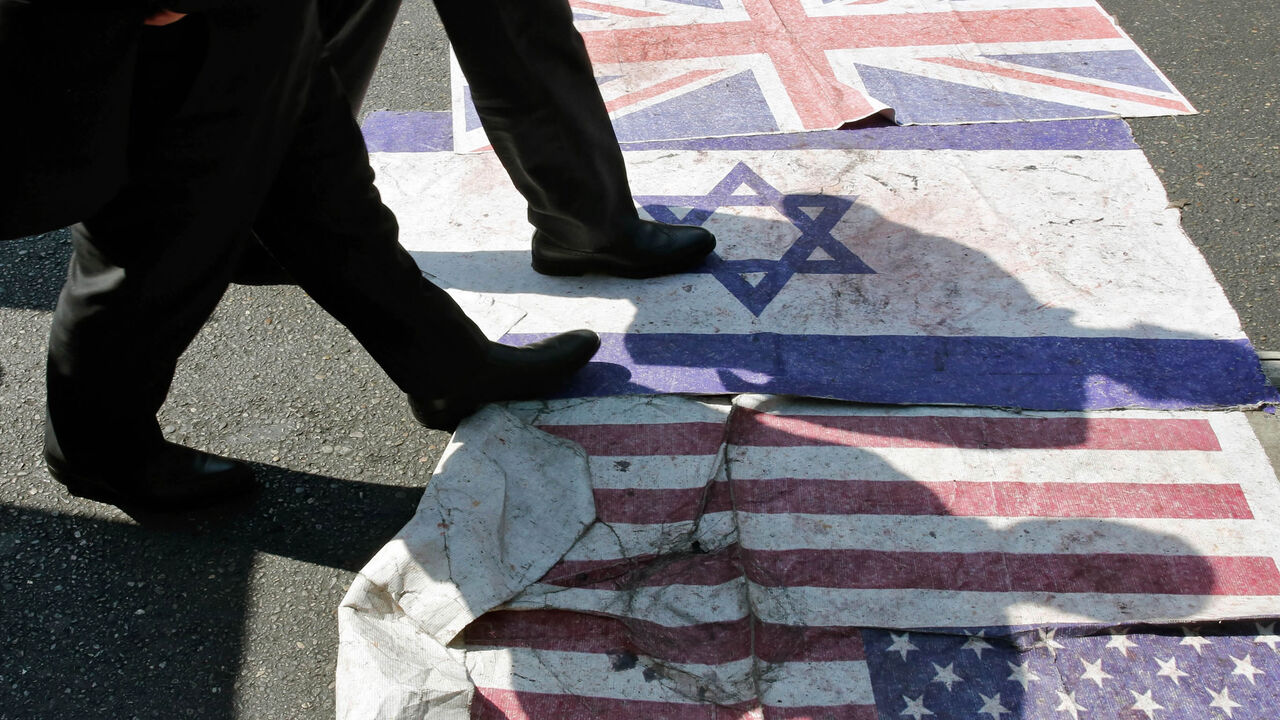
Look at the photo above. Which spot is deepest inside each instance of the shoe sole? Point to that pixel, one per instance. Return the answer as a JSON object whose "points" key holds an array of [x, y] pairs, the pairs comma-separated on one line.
{"points": [[89, 491]]}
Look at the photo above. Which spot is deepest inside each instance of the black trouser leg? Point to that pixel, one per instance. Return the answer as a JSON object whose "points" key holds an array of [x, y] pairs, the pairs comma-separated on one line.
{"points": [[533, 87], [355, 33], [540, 105], [325, 223], [213, 102], [117, 332], [537, 98]]}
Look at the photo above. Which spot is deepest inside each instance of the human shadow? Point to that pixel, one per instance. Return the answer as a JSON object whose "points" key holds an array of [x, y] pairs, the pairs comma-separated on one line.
{"points": [[119, 620]]}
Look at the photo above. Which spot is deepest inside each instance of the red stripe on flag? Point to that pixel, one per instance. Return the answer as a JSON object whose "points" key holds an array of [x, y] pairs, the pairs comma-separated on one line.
{"points": [[496, 704], [689, 568], [1200, 501], [974, 499], [1060, 82], [693, 438], [566, 631], [704, 643], [1122, 573], [798, 643], [633, 505], [986, 433]]}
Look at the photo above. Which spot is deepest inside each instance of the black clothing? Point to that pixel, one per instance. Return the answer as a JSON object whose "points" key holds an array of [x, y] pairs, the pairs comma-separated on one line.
{"points": [[234, 122], [231, 119], [65, 76], [537, 98]]}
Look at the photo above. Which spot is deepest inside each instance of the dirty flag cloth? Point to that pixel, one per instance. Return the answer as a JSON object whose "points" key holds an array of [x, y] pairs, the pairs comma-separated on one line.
{"points": [[1034, 265], [713, 68], [774, 558]]}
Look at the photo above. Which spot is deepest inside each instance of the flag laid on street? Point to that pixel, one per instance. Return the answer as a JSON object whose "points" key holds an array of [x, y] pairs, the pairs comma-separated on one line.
{"points": [[773, 558], [712, 68], [1034, 265]]}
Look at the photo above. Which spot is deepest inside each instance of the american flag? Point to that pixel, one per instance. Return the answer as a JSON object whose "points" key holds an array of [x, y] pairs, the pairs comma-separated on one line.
{"points": [[1223, 670], [774, 558], [711, 68]]}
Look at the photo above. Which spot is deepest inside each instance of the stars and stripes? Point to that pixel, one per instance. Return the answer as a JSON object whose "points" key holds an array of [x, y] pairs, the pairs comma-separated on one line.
{"points": [[781, 559]]}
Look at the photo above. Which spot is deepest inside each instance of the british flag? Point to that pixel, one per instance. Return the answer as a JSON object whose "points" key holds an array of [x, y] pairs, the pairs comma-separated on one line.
{"points": [[711, 68]]}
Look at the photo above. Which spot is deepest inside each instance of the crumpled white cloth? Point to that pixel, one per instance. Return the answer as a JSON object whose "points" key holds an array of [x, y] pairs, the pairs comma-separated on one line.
{"points": [[505, 504]]}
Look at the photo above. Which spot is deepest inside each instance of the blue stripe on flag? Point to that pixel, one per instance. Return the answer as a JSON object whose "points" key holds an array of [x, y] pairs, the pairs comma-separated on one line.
{"points": [[432, 132], [1040, 373], [390, 131]]}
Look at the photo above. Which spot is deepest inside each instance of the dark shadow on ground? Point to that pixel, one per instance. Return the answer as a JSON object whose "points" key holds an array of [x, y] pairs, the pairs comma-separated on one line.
{"points": [[32, 270], [148, 622]]}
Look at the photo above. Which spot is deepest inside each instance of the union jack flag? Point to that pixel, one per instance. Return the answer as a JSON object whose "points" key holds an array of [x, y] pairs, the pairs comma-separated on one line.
{"points": [[711, 68]]}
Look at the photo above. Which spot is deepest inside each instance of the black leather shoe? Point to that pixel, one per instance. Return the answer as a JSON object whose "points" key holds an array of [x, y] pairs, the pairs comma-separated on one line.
{"points": [[511, 373], [645, 249], [175, 478]]}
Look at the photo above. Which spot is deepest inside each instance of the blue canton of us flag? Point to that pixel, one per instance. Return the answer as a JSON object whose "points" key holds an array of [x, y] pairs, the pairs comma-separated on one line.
{"points": [[1226, 670]]}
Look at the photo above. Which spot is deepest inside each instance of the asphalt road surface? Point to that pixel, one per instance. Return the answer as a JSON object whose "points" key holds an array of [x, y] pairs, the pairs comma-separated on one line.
{"points": [[234, 616]]}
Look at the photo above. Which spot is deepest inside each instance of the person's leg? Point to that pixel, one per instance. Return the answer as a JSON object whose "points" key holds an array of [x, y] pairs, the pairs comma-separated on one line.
{"points": [[325, 223], [532, 83], [148, 269], [355, 33], [533, 87], [133, 300]]}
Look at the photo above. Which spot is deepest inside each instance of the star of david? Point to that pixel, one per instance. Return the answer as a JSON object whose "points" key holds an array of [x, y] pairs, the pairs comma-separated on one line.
{"points": [[814, 215]]}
